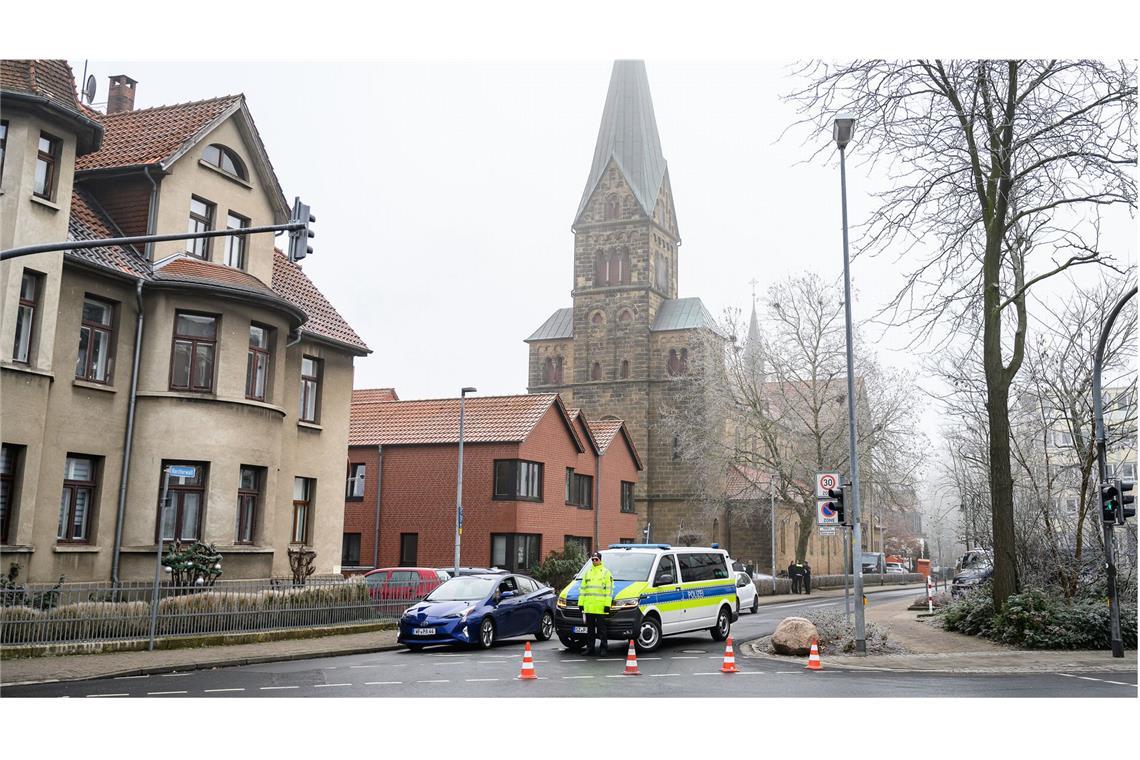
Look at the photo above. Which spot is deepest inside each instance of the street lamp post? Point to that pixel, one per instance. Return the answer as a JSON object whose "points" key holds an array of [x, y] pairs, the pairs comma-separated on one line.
{"points": [[459, 484], [842, 131]]}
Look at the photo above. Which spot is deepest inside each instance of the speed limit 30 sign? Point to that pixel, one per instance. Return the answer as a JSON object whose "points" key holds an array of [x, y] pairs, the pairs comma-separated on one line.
{"points": [[824, 481]]}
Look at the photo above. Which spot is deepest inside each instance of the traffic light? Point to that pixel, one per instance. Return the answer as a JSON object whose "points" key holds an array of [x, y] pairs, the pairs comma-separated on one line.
{"points": [[299, 246], [1125, 511], [836, 496], [1109, 501]]}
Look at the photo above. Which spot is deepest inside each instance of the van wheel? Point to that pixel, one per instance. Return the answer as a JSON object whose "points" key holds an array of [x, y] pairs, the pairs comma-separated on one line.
{"points": [[723, 625], [648, 635]]}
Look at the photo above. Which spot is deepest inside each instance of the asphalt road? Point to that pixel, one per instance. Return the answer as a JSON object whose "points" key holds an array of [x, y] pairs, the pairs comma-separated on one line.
{"points": [[686, 666]]}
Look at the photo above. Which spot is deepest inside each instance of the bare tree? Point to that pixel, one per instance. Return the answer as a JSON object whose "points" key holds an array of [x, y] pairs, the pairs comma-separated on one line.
{"points": [[998, 170]]}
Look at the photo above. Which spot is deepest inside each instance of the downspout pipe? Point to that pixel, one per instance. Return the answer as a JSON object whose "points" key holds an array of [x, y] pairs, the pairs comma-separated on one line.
{"points": [[379, 492], [125, 472], [598, 501]]}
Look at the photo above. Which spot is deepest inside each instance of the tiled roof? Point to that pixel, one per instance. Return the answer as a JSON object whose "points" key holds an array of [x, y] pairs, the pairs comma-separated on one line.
{"points": [[486, 419], [152, 135], [294, 286], [683, 314], [49, 79], [88, 221], [559, 325], [606, 431], [373, 395], [186, 268]]}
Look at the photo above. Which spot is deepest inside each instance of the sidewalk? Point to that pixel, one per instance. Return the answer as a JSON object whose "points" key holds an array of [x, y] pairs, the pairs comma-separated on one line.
{"points": [[932, 649], [75, 667]]}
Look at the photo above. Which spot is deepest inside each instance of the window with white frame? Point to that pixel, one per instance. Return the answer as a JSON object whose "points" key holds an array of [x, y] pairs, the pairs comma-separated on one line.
{"points": [[354, 488]]}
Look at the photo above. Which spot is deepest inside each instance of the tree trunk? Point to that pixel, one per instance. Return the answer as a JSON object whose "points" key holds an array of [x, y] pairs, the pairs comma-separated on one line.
{"points": [[806, 526], [1001, 494]]}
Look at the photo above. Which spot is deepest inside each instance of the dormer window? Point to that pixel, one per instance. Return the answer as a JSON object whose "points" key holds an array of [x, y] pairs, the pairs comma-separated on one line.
{"points": [[221, 157]]}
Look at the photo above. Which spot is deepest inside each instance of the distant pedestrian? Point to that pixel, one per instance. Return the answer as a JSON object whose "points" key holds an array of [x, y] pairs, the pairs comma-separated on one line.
{"points": [[807, 577], [794, 572], [594, 596]]}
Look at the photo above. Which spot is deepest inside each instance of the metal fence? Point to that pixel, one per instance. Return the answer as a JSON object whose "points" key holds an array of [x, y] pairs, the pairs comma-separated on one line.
{"points": [[99, 612]]}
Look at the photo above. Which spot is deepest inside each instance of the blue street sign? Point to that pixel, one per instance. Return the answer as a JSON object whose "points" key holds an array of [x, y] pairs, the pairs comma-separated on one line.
{"points": [[182, 471]]}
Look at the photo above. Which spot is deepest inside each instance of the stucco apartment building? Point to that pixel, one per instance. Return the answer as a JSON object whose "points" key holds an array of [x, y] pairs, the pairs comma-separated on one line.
{"points": [[118, 362], [536, 477]]}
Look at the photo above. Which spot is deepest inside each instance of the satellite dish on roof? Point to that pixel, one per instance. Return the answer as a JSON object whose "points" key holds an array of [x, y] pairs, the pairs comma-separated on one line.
{"points": [[89, 89]]}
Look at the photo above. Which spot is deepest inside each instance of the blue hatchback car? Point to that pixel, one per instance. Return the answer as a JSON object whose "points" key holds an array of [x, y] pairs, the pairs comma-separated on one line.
{"points": [[479, 610]]}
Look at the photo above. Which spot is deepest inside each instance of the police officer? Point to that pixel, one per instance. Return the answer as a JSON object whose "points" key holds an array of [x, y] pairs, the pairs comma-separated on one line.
{"points": [[807, 577], [594, 597], [794, 574]]}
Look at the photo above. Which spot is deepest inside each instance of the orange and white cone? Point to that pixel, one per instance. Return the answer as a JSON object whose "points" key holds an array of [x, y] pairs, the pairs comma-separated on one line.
{"points": [[631, 661], [729, 665], [527, 672], [813, 658]]}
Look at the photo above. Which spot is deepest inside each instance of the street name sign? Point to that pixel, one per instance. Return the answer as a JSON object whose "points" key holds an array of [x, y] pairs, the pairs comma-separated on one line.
{"points": [[828, 530], [182, 471]]}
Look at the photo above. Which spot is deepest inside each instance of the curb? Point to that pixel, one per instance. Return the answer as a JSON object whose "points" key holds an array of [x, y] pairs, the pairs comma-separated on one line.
{"points": [[221, 663]]}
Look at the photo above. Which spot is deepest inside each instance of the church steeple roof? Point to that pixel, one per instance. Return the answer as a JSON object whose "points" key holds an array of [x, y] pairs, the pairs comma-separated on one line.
{"points": [[628, 135]]}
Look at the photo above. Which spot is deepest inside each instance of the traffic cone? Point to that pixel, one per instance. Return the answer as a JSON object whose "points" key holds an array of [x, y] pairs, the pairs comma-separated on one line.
{"points": [[729, 665], [631, 661], [527, 672], [813, 658]]}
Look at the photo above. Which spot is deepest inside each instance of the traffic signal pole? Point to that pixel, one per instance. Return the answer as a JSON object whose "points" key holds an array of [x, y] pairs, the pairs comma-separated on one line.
{"points": [[1102, 469]]}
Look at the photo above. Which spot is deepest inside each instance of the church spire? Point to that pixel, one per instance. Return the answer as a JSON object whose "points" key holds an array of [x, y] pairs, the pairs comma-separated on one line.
{"points": [[628, 136], [754, 343]]}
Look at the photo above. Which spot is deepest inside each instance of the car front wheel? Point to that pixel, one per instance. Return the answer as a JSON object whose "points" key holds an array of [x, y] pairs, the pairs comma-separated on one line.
{"points": [[755, 604], [545, 627], [723, 624], [648, 635], [486, 633]]}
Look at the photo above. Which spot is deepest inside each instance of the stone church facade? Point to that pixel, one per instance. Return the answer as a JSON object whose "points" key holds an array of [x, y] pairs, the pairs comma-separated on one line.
{"points": [[628, 347]]}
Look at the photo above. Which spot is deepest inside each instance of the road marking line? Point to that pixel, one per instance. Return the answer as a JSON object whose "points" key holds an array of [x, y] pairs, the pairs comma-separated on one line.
{"points": [[436, 681], [1086, 678], [566, 678], [108, 695], [162, 693], [706, 674], [619, 675], [271, 688], [679, 657], [327, 685], [366, 666], [470, 680], [174, 675], [382, 683], [211, 691], [1066, 675], [127, 678], [650, 658], [574, 661], [662, 675]]}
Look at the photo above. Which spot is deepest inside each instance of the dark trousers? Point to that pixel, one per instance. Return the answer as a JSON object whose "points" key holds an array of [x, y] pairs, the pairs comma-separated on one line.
{"points": [[595, 629], [807, 584], [795, 584]]}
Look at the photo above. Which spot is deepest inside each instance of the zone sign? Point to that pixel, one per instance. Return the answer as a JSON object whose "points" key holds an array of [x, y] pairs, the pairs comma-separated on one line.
{"points": [[825, 481]]}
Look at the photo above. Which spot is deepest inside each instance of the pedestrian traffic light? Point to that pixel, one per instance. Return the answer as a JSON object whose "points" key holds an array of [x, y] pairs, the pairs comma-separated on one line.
{"points": [[1109, 501], [1122, 489], [836, 496], [299, 246]]}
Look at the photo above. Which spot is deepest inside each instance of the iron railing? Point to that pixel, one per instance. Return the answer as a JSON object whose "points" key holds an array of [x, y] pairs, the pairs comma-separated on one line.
{"points": [[99, 612]]}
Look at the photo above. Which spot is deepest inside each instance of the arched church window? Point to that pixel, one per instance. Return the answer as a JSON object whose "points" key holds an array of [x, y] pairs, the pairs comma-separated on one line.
{"points": [[598, 318], [683, 361], [625, 274], [601, 269], [558, 370], [676, 448], [625, 316], [624, 369], [673, 364], [548, 371], [596, 371], [613, 208], [660, 271]]}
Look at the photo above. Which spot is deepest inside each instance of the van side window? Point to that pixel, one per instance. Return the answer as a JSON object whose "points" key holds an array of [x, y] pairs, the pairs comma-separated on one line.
{"points": [[665, 567], [702, 567]]}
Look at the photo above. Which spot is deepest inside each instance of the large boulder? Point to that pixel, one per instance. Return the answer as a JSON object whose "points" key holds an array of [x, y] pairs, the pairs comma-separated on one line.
{"points": [[794, 636]]}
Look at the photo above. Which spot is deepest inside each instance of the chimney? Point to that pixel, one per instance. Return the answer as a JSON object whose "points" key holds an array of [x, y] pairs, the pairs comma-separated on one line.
{"points": [[121, 96]]}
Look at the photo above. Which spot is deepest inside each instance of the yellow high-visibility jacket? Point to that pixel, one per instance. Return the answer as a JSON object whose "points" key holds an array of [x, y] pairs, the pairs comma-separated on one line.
{"points": [[596, 591]]}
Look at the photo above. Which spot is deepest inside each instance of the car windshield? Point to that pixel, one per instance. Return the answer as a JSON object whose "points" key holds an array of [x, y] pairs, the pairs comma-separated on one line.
{"points": [[623, 565], [975, 561], [462, 589]]}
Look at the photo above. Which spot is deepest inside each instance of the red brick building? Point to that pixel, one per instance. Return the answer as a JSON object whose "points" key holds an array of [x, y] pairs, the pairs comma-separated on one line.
{"points": [[536, 475]]}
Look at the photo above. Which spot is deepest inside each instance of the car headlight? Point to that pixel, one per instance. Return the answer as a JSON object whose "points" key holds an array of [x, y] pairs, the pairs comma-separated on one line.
{"points": [[562, 601], [625, 604], [462, 614]]}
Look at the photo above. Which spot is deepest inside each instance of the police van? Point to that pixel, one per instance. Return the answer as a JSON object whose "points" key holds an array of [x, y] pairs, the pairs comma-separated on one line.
{"points": [[659, 590]]}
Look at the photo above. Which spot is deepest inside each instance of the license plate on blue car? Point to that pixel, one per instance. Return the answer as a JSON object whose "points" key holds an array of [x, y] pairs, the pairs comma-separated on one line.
{"points": [[423, 631], [580, 629]]}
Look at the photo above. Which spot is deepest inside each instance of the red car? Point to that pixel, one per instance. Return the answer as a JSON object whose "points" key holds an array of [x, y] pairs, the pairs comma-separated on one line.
{"points": [[394, 588]]}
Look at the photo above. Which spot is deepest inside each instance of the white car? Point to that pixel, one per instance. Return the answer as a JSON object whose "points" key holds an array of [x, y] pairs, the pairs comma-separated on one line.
{"points": [[746, 596], [896, 567]]}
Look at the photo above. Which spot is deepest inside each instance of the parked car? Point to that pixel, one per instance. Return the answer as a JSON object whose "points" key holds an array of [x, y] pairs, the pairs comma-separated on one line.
{"points": [[973, 569], [874, 562], [479, 610], [394, 587], [896, 567], [746, 596]]}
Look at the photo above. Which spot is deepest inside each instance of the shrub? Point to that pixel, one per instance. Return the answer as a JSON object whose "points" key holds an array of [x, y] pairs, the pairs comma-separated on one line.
{"points": [[560, 567], [1037, 619], [837, 637]]}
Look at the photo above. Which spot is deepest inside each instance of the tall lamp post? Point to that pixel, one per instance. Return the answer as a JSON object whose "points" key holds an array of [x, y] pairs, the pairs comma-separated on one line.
{"points": [[459, 483], [842, 131]]}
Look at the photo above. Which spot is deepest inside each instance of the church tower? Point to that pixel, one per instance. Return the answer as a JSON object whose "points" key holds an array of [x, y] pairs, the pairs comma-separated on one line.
{"points": [[628, 343]]}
